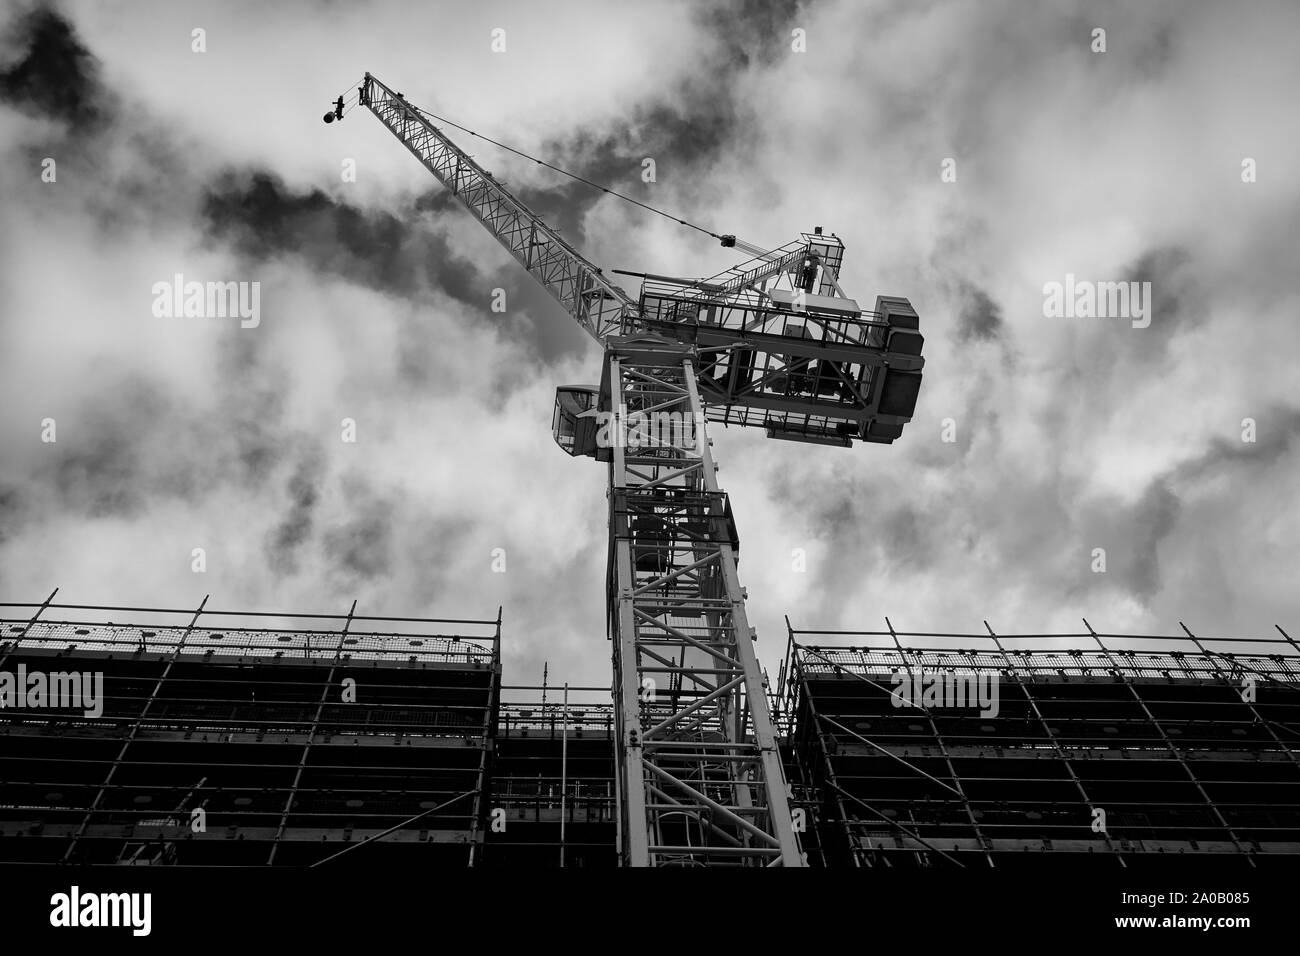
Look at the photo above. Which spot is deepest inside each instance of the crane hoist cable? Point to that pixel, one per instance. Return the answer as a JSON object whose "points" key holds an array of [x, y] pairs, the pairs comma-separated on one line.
{"points": [[352, 99]]}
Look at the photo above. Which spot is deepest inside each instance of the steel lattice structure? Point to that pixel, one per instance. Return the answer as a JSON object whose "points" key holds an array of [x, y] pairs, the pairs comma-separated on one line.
{"points": [[774, 343], [600, 307], [699, 772], [806, 364]]}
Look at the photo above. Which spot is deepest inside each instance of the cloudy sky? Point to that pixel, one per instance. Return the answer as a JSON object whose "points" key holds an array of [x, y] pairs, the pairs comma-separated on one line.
{"points": [[1071, 433]]}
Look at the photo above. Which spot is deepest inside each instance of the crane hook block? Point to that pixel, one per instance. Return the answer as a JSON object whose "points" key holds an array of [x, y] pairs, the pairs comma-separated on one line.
{"points": [[728, 241]]}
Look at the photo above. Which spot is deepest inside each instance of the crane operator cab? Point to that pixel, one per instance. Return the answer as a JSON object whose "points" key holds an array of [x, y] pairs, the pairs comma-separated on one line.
{"points": [[574, 424]]}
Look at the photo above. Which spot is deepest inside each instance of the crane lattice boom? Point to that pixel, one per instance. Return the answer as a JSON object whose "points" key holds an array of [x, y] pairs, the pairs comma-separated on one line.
{"points": [[599, 306]]}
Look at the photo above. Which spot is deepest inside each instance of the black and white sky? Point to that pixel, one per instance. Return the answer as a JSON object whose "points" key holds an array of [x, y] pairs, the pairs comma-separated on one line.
{"points": [[1072, 434]]}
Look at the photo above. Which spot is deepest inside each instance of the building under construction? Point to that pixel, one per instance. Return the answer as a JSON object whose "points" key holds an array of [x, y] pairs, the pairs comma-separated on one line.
{"points": [[235, 739], [1099, 749]]}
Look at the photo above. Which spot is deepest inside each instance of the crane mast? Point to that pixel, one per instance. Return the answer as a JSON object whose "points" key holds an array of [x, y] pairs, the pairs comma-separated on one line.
{"points": [[772, 343], [700, 778]]}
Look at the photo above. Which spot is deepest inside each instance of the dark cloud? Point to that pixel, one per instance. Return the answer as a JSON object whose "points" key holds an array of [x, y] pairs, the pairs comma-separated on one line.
{"points": [[532, 316], [904, 536], [130, 445], [684, 127], [11, 511], [1276, 432], [433, 541], [56, 75], [680, 137], [261, 218], [1153, 517], [750, 32], [102, 462], [980, 319], [361, 546], [1141, 43], [1177, 300], [1114, 355], [410, 254], [869, 534], [252, 390], [295, 527], [1156, 53], [438, 202]]}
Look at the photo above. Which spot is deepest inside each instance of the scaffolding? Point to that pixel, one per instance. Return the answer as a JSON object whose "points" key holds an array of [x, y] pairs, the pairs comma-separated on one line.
{"points": [[1109, 747], [241, 715], [553, 779], [244, 738]]}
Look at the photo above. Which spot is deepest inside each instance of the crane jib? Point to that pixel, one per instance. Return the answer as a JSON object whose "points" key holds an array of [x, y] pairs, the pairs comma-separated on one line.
{"points": [[599, 306]]}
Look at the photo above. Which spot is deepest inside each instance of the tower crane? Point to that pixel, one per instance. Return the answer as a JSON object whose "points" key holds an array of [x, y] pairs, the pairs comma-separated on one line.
{"points": [[774, 343]]}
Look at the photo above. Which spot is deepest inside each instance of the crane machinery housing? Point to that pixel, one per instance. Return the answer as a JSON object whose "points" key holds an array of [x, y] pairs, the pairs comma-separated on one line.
{"points": [[773, 343]]}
